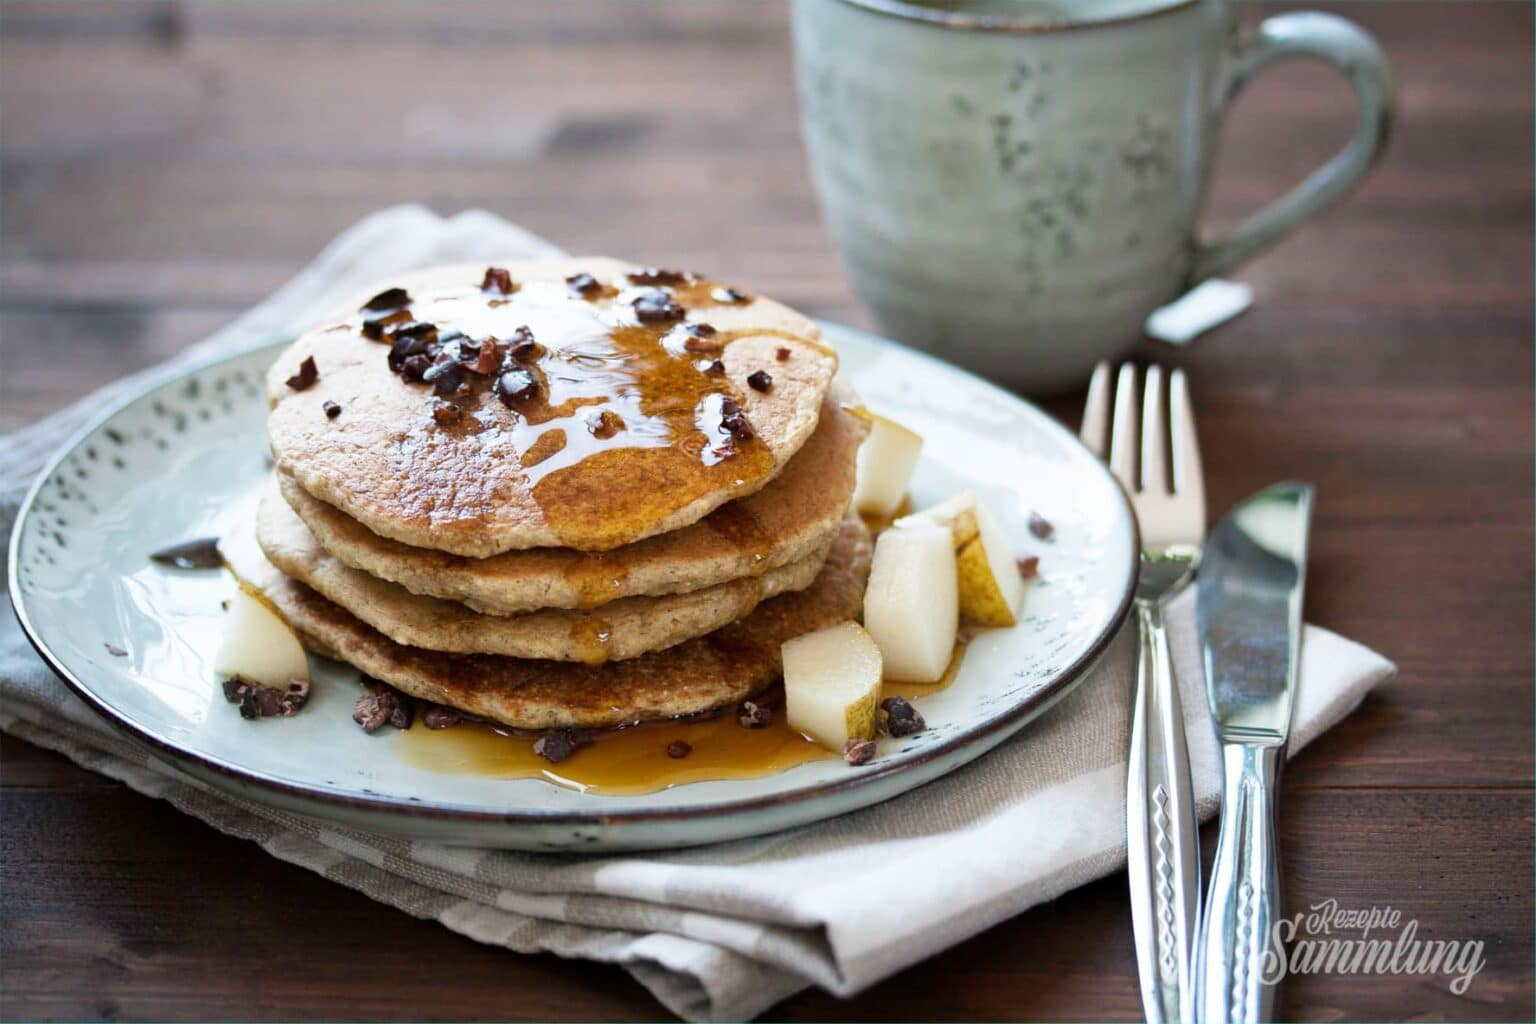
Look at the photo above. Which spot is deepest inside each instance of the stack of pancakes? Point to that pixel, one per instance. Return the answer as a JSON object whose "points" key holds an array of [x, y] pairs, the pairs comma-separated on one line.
{"points": [[562, 493]]}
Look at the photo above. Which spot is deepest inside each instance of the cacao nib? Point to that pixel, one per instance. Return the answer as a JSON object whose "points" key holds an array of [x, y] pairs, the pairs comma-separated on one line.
{"points": [[584, 284], [446, 377], [258, 701], [497, 279], [714, 367], [521, 347], [438, 716], [375, 708], [754, 716], [403, 348], [730, 296], [389, 299], [516, 385], [200, 553], [332, 410], [1029, 566], [857, 751], [423, 329], [655, 306], [734, 420], [306, 376], [605, 424], [405, 711], [679, 749], [1040, 526], [759, 380], [556, 745], [479, 357], [415, 368], [782, 355], [900, 717], [373, 330], [655, 275], [701, 340], [446, 412]]}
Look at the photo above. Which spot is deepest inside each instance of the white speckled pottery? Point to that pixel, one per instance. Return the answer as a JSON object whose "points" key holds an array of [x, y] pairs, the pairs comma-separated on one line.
{"points": [[183, 459], [1016, 185]]}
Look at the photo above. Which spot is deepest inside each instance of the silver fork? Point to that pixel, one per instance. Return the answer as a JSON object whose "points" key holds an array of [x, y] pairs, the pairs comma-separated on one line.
{"points": [[1163, 848]]}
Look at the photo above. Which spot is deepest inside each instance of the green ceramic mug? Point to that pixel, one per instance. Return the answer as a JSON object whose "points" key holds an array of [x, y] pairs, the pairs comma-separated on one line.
{"points": [[1016, 184]]}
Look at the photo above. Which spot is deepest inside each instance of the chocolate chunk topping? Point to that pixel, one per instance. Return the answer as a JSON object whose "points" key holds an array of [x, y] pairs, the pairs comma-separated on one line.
{"points": [[306, 376], [516, 385], [201, 553], [114, 650], [439, 716], [900, 717], [782, 355], [1040, 526], [332, 410], [584, 284], [388, 299], [258, 701], [730, 295], [373, 330], [497, 279], [679, 749], [415, 368], [735, 421], [858, 751], [605, 424], [557, 744], [655, 275], [446, 412], [655, 306], [754, 716], [760, 380], [1029, 566], [446, 377]]}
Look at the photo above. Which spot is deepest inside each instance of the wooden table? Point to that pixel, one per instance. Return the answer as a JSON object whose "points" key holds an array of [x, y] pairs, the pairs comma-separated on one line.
{"points": [[166, 165]]}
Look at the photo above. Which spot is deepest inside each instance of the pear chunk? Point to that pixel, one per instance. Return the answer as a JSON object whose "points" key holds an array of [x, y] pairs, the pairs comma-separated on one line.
{"points": [[912, 603], [832, 684], [991, 589], [885, 464], [258, 646]]}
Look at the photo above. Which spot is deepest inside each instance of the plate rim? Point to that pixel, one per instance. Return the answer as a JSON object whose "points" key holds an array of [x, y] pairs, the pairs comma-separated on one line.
{"points": [[1015, 717]]}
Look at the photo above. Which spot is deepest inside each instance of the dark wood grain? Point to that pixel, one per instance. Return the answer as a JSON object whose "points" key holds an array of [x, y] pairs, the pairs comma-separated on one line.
{"points": [[164, 165]]}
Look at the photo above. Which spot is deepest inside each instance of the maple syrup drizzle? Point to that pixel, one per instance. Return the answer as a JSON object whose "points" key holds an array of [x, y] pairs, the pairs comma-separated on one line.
{"points": [[634, 760], [622, 429]]}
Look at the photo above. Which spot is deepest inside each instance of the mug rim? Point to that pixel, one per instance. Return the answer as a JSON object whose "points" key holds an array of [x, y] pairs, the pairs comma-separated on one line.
{"points": [[908, 11]]}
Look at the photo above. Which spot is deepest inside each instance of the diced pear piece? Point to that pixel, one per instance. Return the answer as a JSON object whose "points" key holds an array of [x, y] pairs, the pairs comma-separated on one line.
{"points": [[832, 684], [885, 464], [912, 603], [991, 589], [258, 645]]}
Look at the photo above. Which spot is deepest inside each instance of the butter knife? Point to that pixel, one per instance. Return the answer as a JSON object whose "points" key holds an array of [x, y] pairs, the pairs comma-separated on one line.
{"points": [[1249, 594]]}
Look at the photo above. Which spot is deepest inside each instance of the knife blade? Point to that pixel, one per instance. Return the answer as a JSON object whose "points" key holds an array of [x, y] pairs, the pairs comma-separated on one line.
{"points": [[1248, 612]]}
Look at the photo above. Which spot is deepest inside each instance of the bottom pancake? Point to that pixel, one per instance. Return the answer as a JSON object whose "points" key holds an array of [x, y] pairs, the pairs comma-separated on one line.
{"points": [[698, 676]]}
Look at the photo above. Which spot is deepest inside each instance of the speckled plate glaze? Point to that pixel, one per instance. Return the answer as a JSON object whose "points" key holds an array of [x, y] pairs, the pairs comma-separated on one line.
{"points": [[184, 458]]}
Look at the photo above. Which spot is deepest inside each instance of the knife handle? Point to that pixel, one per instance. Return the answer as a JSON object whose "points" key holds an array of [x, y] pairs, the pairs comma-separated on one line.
{"points": [[1162, 841], [1243, 903]]}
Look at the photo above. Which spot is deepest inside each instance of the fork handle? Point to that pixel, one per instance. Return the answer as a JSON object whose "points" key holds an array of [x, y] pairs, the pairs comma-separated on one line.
{"points": [[1163, 849]]}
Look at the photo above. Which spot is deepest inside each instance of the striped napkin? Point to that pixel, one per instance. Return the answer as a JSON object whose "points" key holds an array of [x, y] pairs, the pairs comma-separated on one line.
{"points": [[720, 932]]}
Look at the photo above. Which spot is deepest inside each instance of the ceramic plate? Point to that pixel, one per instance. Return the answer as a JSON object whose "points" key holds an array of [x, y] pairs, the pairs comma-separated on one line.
{"points": [[184, 458]]}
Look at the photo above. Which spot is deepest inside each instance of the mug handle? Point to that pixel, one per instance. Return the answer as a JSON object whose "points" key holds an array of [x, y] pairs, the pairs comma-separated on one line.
{"points": [[1357, 56]]}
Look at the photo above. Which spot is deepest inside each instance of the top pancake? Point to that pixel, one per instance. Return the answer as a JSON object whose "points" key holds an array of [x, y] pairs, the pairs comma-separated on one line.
{"points": [[795, 514], [553, 466]]}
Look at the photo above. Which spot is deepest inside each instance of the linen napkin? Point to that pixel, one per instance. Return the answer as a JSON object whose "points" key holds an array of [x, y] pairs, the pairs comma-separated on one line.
{"points": [[719, 932]]}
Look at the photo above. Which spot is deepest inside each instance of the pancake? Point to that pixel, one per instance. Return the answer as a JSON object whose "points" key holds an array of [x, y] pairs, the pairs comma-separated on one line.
{"points": [[797, 513], [622, 629], [610, 430], [698, 676]]}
